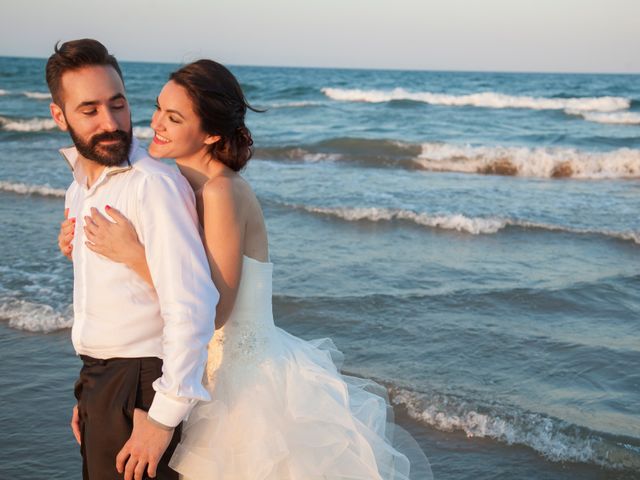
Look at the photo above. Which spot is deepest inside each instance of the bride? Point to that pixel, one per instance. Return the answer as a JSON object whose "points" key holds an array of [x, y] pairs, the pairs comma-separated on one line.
{"points": [[281, 409]]}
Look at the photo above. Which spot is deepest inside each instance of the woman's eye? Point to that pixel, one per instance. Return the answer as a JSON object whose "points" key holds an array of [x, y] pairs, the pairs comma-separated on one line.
{"points": [[174, 120]]}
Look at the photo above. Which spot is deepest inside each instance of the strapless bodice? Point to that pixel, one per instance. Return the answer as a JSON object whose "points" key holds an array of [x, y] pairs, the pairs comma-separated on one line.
{"points": [[246, 333], [254, 292]]}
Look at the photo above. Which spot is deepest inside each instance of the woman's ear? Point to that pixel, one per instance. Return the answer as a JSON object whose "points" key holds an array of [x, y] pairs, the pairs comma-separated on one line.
{"points": [[211, 139], [58, 116]]}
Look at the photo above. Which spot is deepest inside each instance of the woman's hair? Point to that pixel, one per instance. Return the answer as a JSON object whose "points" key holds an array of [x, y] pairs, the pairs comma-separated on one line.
{"points": [[221, 106]]}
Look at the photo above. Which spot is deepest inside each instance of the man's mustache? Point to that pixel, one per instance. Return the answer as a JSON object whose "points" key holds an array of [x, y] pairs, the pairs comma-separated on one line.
{"points": [[117, 135]]}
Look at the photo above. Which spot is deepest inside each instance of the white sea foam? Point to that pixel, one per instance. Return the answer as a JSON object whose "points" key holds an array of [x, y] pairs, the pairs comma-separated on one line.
{"points": [[26, 189], [29, 125], [320, 157], [305, 155], [553, 438], [143, 132], [35, 317], [483, 99], [38, 95], [298, 104], [458, 222], [3, 92], [615, 118], [627, 236], [530, 162]]}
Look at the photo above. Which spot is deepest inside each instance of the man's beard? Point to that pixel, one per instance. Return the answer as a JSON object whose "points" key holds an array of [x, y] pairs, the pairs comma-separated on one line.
{"points": [[109, 155]]}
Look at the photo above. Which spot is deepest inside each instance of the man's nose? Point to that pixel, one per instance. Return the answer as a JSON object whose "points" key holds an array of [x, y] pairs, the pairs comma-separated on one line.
{"points": [[108, 121]]}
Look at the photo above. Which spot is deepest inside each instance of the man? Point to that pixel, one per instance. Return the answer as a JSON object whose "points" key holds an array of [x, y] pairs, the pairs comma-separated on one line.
{"points": [[143, 349]]}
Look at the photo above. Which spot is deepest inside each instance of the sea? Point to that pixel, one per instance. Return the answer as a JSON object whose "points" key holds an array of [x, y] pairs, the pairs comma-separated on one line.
{"points": [[471, 240]]}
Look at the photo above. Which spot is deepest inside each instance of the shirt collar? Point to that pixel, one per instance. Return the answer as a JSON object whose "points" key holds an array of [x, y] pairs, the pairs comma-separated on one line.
{"points": [[70, 155]]}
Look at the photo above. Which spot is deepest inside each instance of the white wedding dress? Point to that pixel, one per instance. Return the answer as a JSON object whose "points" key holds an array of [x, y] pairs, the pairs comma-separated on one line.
{"points": [[281, 410]]}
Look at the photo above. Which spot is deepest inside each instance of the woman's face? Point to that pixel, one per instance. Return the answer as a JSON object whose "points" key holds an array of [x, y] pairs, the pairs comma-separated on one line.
{"points": [[176, 125]]}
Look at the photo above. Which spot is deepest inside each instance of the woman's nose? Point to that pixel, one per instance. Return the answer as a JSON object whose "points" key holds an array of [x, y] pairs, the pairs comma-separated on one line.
{"points": [[156, 121]]}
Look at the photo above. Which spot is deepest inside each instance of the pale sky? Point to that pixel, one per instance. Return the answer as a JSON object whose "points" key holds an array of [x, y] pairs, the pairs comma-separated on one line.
{"points": [[482, 35]]}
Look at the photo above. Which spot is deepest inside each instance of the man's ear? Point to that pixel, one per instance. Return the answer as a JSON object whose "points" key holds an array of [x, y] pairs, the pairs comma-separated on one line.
{"points": [[211, 139], [58, 116]]}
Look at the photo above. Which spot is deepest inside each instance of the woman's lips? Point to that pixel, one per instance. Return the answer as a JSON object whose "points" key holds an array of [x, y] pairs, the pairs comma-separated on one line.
{"points": [[160, 140]]}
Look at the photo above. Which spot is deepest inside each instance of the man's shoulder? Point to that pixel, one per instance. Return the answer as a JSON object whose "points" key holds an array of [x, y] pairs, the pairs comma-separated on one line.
{"points": [[146, 165], [156, 171]]}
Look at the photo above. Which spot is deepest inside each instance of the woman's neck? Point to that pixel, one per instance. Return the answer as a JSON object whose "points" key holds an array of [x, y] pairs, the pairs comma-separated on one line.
{"points": [[199, 169]]}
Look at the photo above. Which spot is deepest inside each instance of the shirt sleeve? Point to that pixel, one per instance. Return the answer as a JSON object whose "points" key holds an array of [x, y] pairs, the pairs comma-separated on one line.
{"points": [[187, 296]]}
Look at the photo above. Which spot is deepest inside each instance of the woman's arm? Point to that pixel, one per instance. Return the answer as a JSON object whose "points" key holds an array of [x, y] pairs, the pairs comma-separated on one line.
{"points": [[117, 241], [224, 230]]}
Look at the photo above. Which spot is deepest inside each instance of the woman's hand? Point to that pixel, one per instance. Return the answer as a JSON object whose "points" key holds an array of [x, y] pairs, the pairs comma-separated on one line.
{"points": [[117, 240], [65, 237]]}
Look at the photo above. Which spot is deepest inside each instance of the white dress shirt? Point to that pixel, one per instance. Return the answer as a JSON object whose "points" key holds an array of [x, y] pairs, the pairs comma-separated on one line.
{"points": [[116, 313]]}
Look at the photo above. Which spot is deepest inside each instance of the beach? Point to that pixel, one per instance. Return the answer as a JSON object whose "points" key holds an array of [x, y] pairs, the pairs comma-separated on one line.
{"points": [[469, 240]]}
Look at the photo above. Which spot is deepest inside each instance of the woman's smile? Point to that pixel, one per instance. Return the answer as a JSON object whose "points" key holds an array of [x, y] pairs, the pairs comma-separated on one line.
{"points": [[160, 140]]}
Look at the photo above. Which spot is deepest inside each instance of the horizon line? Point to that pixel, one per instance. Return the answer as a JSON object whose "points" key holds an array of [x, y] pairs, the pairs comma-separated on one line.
{"points": [[378, 69]]}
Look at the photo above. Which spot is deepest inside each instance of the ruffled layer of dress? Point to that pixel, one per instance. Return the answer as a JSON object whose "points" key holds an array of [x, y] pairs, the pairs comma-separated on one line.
{"points": [[281, 409], [290, 415]]}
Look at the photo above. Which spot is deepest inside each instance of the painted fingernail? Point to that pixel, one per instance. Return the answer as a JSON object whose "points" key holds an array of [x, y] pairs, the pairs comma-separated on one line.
{"points": [[107, 207]]}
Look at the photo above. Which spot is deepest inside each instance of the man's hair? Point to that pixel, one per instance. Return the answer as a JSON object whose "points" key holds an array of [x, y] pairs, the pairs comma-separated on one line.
{"points": [[74, 55]]}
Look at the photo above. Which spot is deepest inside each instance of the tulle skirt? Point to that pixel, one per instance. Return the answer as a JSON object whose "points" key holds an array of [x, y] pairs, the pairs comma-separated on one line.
{"points": [[284, 412]]}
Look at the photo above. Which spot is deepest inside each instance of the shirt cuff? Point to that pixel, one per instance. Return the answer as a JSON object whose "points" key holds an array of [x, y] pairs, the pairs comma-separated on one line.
{"points": [[169, 411]]}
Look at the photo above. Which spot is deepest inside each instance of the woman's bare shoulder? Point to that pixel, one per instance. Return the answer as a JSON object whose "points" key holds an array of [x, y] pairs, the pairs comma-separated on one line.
{"points": [[227, 189]]}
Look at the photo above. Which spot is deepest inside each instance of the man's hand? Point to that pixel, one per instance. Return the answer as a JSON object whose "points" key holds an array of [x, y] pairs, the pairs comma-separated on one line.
{"points": [[144, 449], [75, 424]]}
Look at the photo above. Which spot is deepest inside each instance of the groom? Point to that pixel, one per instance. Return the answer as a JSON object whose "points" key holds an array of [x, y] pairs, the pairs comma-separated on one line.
{"points": [[143, 349]]}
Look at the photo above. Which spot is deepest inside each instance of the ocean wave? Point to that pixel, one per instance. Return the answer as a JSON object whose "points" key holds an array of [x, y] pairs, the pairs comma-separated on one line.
{"points": [[483, 99], [27, 189], [615, 118], [460, 223], [530, 162], [626, 236], [376, 152], [3, 92], [27, 125], [37, 95], [35, 317], [298, 104], [543, 162], [553, 438], [457, 222]]}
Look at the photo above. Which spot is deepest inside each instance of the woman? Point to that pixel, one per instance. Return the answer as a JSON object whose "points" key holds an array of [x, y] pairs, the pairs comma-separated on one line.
{"points": [[280, 408]]}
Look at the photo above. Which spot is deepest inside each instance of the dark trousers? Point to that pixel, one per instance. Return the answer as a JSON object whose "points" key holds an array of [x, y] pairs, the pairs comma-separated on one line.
{"points": [[107, 393]]}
